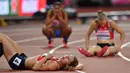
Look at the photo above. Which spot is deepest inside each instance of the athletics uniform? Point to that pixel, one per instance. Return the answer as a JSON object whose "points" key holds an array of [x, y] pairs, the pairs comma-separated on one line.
{"points": [[17, 62], [104, 33], [1, 49]]}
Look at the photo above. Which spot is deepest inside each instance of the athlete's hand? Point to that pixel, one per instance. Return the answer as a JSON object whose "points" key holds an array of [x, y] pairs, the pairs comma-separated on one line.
{"points": [[49, 26], [49, 55], [87, 47], [118, 49], [71, 69]]}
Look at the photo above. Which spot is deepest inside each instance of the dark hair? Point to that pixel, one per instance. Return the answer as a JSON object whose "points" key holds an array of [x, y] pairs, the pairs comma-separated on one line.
{"points": [[72, 64], [57, 3]]}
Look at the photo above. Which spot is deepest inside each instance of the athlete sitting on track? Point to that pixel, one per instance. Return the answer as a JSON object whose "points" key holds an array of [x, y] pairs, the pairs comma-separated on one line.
{"points": [[57, 24], [104, 29], [19, 61]]}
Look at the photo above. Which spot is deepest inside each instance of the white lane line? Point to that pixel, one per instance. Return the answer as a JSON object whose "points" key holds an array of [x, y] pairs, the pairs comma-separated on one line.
{"points": [[121, 55], [80, 71], [92, 38], [19, 29], [73, 42], [31, 39], [20, 34], [69, 43]]}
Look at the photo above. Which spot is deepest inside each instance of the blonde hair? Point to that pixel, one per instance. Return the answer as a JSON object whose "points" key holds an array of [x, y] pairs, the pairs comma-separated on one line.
{"points": [[101, 15]]}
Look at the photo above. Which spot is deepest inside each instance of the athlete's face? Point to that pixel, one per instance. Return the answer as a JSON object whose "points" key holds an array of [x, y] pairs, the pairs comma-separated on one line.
{"points": [[56, 8], [102, 20], [67, 59]]}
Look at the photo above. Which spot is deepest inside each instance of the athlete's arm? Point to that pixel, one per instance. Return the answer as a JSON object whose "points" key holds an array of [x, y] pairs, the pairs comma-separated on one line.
{"points": [[90, 30], [49, 19], [39, 63], [79, 67], [50, 66], [65, 20], [120, 31], [41, 60]]}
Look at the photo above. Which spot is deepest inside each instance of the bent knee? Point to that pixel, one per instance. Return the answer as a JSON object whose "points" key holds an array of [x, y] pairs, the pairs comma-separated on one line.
{"points": [[94, 49], [111, 51]]}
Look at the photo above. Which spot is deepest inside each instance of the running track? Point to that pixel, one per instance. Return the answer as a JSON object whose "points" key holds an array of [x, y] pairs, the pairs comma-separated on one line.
{"points": [[30, 38]]}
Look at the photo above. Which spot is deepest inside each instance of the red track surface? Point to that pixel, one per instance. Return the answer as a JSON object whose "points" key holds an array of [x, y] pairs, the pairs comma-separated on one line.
{"points": [[34, 47]]}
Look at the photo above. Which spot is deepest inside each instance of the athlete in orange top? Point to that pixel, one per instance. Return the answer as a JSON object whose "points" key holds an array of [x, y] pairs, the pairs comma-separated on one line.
{"points": [[104, 29], [56, 24]]}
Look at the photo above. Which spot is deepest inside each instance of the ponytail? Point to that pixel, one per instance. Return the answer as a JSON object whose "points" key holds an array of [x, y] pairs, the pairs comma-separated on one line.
{"points": [[101, 15]]}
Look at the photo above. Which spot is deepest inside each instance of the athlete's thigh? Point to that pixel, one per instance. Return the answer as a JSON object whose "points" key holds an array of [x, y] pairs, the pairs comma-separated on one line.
{"points": [[112, 49], [98, 49], [94, 49], [17, 47]]}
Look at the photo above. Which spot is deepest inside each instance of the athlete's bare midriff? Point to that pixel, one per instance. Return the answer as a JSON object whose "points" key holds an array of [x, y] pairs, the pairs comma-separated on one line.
{"points": [[30, 62], [105, 41]]}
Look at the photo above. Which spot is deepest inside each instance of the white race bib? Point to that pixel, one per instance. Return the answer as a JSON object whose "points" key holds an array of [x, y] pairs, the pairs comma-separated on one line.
{"points": [[17, 61]]}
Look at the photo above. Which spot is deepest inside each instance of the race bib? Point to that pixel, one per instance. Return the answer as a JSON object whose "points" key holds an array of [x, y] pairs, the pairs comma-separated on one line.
{"points": [[17, 61]]}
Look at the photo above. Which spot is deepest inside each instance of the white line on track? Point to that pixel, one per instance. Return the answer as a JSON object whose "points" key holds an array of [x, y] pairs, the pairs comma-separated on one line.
{"points": [[31, 39], [92, 38], [121, 55], [73, 42], [21, 34]]}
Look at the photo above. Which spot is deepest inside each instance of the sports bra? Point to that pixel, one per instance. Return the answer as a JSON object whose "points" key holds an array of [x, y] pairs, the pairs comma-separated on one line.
{"points": [[104, 32]]}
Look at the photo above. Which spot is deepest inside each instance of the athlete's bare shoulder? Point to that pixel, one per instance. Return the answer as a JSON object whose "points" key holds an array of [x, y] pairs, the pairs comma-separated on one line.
{"points": [[93, 22]]}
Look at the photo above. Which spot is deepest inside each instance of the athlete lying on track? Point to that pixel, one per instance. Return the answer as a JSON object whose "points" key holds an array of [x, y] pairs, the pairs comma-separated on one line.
{"points": [[17, 60]]}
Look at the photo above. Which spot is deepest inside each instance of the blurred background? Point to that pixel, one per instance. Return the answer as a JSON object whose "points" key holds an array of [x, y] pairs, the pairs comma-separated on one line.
{"points": [[79, 11]]}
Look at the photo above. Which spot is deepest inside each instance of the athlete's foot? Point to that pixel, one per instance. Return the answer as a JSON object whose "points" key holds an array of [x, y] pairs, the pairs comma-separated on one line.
{"points": [[84, 52], [99, 54], [65, 44], [50, 44]]}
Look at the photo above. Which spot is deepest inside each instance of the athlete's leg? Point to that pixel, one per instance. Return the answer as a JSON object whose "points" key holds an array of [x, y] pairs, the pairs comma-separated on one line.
{"points": [[94, 49], [66, 33], [8, 48], [17, 47], [49, 33], [111, 51]]}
